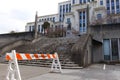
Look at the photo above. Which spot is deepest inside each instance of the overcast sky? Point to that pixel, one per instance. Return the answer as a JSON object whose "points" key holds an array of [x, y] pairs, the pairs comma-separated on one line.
{"points": [[14, 14]]}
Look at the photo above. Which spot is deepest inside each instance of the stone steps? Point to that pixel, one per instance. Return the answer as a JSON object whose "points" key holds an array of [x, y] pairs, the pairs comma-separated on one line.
{"points": [[66, 63], [47, 63], [49, 45]]}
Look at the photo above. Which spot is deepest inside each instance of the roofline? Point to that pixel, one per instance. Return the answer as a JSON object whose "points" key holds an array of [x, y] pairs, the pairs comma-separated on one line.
{"points": [[64, 2], [30, 22], [47, 15]]}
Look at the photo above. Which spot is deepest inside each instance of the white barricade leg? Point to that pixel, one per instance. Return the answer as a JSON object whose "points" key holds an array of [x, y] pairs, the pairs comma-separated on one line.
{"points": [[13, 69], [56, 66]]}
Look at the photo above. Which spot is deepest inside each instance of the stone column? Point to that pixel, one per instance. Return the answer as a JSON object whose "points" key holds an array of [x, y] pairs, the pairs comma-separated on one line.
{"points": [[88, 23], [76, 22], [36, 27]]}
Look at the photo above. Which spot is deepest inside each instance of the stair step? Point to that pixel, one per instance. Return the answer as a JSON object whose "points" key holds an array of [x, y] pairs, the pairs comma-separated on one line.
{"points": [[49, 66], [65, 61], [72, 67]]}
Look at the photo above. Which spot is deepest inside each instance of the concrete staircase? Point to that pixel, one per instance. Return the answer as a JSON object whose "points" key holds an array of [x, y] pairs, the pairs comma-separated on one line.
{"points": [[47, 45], [44, 45], [66, 63]]}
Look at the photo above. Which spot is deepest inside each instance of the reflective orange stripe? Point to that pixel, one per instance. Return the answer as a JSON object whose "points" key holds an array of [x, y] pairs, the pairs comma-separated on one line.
{"points": [[53, 55], [36, 56], [48, 55], [19, 57], [8, 57], [28, 56], [43, 56]]}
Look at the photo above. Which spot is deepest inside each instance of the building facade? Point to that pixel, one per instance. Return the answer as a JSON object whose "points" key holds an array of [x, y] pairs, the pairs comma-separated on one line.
{"points": [[52, 19], [80, 15], [106, 42]]}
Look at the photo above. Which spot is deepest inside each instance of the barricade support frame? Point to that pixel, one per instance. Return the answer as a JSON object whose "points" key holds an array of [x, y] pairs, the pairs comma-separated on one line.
{"points": [[13, 72]]}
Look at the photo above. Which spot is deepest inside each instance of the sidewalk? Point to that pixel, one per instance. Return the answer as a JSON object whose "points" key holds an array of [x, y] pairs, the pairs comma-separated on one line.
{"points": [[94, 72]]}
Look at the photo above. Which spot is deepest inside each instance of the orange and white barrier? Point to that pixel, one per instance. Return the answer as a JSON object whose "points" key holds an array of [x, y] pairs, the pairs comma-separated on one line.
{"points": [[28, 56], [13, 68]]}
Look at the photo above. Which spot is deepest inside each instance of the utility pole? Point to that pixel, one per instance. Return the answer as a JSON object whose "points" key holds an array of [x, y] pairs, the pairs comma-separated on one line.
{"points": [[36, 28]]}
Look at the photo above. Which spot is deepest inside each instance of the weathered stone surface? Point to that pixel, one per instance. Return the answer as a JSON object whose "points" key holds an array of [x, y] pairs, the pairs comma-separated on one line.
{"points": [[48, 45], [81, 51], [66, 47]]}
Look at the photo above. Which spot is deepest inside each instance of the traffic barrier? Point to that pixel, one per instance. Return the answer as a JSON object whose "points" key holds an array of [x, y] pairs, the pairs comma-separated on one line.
{"points": [[13, 68], [27, 56]]}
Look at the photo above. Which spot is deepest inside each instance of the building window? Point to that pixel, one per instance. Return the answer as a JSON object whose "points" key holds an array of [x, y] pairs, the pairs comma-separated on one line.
{"points": [[68, 20], [38, 28], [60, 15], [69, 7], [117, 7], [73, 1], [63, 8], [60, 19], [111, 48], [108, 6], [84, 15], [60, 9], [82, 22], [80, 15], [33, 28], [66, 7], [29, 28], [114, 46], [113, 6], [107, 1], [80, 1], [106, 47], [53, 19], [88, 0], [50, 18], [84, 1], [99, 16], [101, 2], [39, 20]]}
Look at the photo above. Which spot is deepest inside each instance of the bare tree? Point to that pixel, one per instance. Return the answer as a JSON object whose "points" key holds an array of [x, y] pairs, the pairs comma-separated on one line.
{"points": [[46, 26], [58, 32], [12, 31]]}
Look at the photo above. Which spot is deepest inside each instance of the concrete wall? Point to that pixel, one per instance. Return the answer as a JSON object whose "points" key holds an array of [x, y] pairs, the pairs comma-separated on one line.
{"points": [[12, 46], [100, 32], [105, 31], [10, 38], [82, 51], [87, 52], [16, 36], [97, 55]]}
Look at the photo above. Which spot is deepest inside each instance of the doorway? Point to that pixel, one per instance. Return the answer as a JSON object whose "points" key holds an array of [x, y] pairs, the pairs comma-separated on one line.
{"points": [[111, 49]]}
